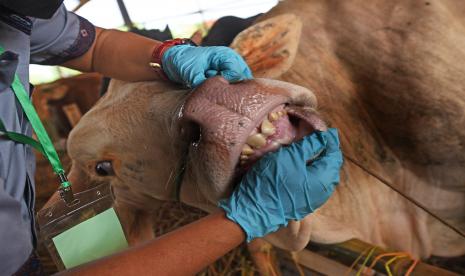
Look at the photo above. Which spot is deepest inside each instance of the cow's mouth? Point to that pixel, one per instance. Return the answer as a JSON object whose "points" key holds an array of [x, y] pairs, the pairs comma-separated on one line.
{"points": [[282, 126], [238, 123]]}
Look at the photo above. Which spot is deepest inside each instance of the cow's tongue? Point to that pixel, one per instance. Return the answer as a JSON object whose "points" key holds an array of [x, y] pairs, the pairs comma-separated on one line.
{"points": [[282, 126]]}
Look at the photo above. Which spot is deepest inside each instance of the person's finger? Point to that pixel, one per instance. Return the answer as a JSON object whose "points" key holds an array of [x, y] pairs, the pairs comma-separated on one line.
{"points": [[232, 66], [327, 167], [197, 80], [211, 73], [309, 147], [332, 139], [231, 75], [247, 72]]}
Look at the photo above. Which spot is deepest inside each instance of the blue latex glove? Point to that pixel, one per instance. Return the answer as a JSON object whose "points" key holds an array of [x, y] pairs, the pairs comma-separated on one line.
{"points": [[192, 65], [282, 187]]}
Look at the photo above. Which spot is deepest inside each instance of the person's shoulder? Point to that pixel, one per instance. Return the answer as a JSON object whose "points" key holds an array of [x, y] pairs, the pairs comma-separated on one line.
{"points": [[63, 37]]}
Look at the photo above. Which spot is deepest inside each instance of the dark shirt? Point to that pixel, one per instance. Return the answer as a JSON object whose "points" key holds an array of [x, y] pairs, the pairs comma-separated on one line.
{"points": [[27, 40]]}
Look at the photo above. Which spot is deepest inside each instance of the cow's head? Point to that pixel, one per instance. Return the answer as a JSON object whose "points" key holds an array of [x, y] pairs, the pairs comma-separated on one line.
{"points": [[140, 137]]}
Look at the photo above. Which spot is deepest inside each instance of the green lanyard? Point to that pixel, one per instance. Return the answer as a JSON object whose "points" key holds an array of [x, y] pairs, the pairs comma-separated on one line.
{"points": [[44, 145]]}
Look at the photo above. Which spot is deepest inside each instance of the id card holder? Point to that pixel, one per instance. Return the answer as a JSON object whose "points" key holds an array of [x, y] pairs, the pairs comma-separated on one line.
{"points": [[86, 230]]}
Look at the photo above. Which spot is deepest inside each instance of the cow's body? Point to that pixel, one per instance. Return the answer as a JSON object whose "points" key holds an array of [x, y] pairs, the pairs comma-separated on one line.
{"points": [[386, 73], [389, 75]]}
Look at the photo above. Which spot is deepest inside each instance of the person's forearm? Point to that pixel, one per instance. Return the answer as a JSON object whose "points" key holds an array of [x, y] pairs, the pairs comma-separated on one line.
{"points": [[120, 55], [185, 251]]}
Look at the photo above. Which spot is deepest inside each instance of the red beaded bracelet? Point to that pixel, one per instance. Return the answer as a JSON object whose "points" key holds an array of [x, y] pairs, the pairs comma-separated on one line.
{"points": [[158, 52]]}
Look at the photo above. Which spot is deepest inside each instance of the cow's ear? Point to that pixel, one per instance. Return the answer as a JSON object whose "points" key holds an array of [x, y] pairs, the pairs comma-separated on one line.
{"points": [[269, 47]]}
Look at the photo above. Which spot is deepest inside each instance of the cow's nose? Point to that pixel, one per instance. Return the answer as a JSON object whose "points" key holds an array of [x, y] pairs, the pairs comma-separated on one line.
{"points": [[217, 102], [215, 114]]}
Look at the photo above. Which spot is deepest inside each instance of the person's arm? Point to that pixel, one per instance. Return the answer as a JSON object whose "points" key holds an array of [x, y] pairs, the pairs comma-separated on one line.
{"points": [[120, 55], [126, 56], [185, 251], [70, 40]]}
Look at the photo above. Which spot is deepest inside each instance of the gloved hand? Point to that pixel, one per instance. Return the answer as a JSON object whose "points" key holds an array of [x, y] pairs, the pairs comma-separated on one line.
{"points": [[192, 65], [283, 187]]}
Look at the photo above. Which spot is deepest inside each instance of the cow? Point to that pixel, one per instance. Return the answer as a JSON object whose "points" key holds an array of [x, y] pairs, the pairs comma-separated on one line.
{"points": [[387, 74]]}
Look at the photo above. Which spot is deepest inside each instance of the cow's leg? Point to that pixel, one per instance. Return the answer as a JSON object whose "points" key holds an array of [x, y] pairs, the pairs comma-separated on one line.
{"points": [[264, 257], [137, 223]]}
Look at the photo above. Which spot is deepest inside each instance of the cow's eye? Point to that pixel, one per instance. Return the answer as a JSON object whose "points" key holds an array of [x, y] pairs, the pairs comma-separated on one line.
{"points": [[104, 168]]}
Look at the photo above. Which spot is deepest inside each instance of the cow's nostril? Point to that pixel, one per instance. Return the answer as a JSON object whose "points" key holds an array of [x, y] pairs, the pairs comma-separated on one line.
{"points": [[104, 168], [192, 132]]}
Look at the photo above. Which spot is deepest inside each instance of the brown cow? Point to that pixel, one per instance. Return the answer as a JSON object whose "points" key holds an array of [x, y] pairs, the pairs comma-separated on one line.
{"points": [[386, 73]]}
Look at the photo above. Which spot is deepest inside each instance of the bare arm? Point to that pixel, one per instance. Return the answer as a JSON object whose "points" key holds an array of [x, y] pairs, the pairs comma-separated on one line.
{"points": [[185, 251], [120, 55]]}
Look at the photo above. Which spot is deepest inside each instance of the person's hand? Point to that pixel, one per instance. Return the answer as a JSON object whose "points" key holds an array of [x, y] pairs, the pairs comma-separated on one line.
{"points": [[286, 185], [192, 65]]}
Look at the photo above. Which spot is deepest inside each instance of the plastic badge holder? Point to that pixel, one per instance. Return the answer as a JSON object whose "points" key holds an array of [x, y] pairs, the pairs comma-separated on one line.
{"points": [[84, 231]]}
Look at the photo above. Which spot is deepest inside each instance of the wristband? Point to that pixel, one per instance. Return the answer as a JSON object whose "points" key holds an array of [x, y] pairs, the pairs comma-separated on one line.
{"points": [[158, 52]]}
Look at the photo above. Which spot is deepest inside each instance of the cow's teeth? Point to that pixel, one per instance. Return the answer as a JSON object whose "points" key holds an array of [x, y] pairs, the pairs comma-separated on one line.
{"points": [[244, 157], [257, 140], [247, 150], [273, 116], [281, 113], [267, 128]]}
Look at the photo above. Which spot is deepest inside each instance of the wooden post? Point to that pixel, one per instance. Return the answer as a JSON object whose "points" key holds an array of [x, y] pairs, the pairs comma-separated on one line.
{"points": [[124, 13], [317, 262]]}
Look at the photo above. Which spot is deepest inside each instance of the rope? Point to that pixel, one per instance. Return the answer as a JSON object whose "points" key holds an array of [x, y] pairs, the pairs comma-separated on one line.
{"points": [[365, 261], [373, 263], [352, 266], [386, 266], [416, 203], [412, 267]]}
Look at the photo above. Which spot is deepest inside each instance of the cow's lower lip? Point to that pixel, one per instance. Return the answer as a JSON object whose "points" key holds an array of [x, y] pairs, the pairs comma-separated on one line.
{"points": [[294, 123]]}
